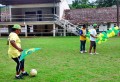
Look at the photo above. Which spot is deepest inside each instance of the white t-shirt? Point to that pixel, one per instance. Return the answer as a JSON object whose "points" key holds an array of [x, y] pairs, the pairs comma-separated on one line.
{"points": [[94, 33]]}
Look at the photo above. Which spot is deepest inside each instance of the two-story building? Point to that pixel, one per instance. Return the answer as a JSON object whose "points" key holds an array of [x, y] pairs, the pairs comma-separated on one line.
{"points": [[37, 17]]}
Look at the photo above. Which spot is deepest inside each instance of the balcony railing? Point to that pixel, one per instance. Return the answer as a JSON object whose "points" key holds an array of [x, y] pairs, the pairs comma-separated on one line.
{"points": [[28, 17]]}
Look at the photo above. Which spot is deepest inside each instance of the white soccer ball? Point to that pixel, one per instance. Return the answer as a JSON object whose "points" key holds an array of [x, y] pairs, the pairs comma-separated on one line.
{"points": [[33, 72]]}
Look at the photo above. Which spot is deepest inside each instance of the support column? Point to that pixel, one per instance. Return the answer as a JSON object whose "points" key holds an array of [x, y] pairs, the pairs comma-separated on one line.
{"points": [[65, 29], [0, 33], [53, 30], [25, 29], [10, 13]]}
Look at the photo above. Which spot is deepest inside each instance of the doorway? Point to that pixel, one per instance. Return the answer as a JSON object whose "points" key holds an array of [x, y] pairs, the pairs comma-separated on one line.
{"points": [[39, 15]]}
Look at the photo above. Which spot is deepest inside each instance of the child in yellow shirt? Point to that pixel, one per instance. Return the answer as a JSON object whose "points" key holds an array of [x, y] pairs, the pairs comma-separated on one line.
{"points": [[14, 50]]}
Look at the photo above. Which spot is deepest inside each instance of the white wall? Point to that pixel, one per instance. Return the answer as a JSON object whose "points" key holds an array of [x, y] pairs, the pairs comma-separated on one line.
{"points": [[63, 6], [101, 27], [111, 25], [4, 30], [90, 27], [33, 5], [24, 30]]}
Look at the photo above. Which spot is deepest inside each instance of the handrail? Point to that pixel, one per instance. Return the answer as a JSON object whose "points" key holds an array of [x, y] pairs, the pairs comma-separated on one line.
{"points": [[65, 24], [71, 28], [66, 20], [32, 14], [27, 17]]}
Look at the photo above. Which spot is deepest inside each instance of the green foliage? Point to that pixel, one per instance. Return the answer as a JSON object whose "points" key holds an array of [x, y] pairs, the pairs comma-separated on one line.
{"points": [[106, 3], [78, 4], [59, 60]]}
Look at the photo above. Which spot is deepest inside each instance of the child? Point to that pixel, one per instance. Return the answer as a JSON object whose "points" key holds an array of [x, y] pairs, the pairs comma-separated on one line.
{"points": [[93, 36], [15, 50], [83, 39]]}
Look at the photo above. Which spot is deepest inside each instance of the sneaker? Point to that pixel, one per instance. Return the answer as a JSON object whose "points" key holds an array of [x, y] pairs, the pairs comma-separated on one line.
{"points": [[19, 77], [95, 53], [85, 51], [81, 52], [25, 74], [91, 53]]}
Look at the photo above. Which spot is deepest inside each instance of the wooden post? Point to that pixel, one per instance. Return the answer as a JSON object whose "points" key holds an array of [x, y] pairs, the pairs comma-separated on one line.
{"points": [[117, 13]]}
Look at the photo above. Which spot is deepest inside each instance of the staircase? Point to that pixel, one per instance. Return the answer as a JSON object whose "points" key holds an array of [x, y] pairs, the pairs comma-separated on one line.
{"points": [[69, 27]]}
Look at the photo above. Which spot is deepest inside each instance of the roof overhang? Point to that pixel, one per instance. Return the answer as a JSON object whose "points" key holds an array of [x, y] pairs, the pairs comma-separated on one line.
{"points": [[19, 2]]}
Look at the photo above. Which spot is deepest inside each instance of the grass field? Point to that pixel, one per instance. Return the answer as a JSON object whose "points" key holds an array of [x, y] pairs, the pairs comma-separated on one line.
{"points": [[59, 60]]}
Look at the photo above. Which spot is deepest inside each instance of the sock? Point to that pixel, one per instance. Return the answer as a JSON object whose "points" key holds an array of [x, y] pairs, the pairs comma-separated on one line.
{"points": [[17, 75], [24, 72]]}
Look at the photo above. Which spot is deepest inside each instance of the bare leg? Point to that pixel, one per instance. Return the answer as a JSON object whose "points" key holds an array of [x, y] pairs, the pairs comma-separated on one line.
{"points": [[94, 47], [90, 49], [94, 50]]}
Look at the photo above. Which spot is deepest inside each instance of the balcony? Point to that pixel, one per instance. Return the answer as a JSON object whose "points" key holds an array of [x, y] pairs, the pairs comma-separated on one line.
{"points": [[30, 19]]}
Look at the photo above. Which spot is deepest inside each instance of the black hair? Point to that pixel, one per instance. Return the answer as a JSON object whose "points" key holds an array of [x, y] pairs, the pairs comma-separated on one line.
{"points": [[84, 25], [115, 25], [13, 29]]}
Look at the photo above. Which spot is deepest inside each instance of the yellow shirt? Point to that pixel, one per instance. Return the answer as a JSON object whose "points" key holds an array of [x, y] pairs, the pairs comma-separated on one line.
{"points": [[13, 52], [84, 33]]}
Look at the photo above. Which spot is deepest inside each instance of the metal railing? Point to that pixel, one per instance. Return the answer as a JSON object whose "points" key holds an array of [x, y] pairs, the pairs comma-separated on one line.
{"points": [[65, 24], [28, 17], [36, 32], [71, 28]]}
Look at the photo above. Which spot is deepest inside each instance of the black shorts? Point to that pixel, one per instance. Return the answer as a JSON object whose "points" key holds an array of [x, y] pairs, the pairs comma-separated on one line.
{"points": [[93, 44]]}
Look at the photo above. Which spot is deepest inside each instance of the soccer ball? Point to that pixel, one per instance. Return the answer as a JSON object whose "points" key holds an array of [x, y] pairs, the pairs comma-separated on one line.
{"points": [[33, 72]]}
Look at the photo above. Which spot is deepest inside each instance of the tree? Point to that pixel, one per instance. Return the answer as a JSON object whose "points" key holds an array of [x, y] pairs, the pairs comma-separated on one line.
{"points": [[77, 4], [105, 3]]}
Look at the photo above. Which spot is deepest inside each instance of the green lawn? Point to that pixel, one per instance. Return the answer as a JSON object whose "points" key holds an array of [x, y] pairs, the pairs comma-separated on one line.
{"points": [[59, 60]]}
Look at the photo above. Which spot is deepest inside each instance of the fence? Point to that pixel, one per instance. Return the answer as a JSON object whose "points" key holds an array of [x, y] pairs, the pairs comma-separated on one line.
{"points": [[36, 32]]}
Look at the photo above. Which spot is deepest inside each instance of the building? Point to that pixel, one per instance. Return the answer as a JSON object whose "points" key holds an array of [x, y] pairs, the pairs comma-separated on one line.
{"points": [[52, 17], [37, 17], [104, 17]]}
